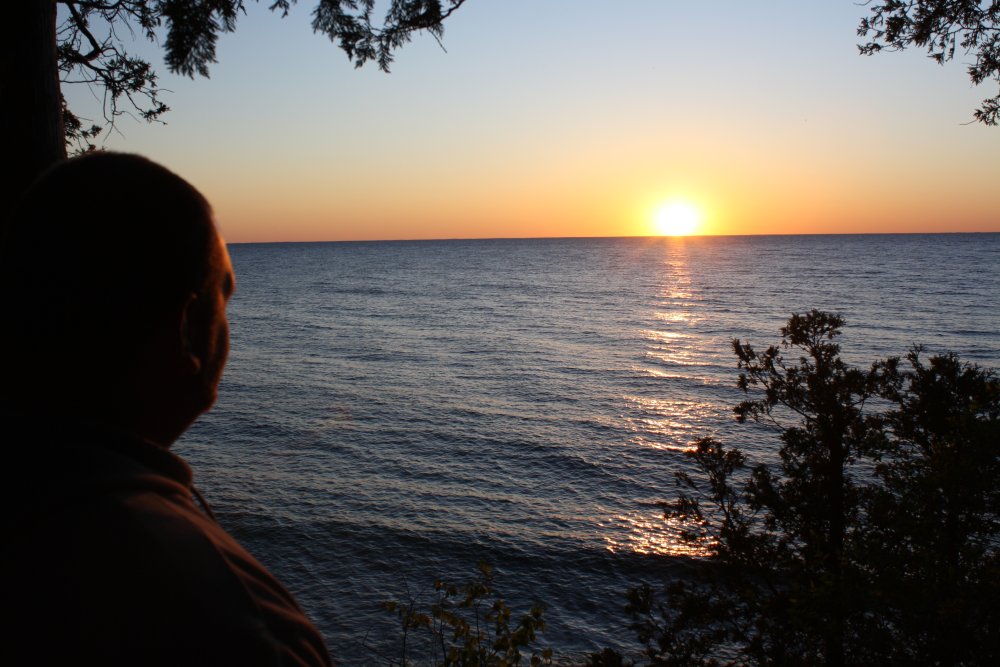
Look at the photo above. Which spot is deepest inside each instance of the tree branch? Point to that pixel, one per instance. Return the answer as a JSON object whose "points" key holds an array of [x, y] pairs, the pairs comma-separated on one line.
{"points": [[81, 24]]}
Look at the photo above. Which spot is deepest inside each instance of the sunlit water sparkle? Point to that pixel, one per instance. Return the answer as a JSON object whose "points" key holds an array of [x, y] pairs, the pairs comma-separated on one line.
{"points": [[394, 412]]}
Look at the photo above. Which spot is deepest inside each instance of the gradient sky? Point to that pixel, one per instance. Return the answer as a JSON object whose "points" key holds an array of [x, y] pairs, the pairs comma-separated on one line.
{"points": [[561, 118]]}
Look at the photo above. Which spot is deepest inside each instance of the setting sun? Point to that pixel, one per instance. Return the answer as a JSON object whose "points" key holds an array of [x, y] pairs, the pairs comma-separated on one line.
{"points": [[676, 219]]}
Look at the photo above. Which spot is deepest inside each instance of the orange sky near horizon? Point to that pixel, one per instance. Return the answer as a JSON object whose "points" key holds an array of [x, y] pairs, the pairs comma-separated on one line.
{"points": [[581, 197], [575, 123]]}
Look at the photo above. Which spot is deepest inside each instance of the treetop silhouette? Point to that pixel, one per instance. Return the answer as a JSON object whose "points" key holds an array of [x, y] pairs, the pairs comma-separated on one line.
{"points": [[872, 539], [942, 27]]}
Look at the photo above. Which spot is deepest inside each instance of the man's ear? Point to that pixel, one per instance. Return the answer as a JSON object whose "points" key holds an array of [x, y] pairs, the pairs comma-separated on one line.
{"points": [[191, 330]]}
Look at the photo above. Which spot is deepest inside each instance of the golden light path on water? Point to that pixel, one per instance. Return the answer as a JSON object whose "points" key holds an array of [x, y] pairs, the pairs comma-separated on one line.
{"points": [[676, 419], [668, 423], [650, 532], [656, 537]]}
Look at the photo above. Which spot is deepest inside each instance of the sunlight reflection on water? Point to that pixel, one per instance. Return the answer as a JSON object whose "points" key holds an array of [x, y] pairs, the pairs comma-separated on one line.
{"points": [[673, 420], [660, 536]]}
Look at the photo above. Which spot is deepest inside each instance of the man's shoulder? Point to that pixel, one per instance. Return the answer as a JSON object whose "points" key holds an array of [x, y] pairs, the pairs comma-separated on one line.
{"points": [[123, 560]]}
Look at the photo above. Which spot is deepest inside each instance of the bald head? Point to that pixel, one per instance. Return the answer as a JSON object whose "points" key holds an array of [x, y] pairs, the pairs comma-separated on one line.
{"points": [[107, 233], [102, 254]]}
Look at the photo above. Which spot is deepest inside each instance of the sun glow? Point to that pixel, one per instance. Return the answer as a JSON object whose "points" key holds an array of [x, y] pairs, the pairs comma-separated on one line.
{"points": [[677, 219]]}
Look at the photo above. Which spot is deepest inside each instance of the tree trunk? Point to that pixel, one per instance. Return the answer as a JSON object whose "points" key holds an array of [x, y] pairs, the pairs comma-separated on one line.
{"points": [[30, 104]]}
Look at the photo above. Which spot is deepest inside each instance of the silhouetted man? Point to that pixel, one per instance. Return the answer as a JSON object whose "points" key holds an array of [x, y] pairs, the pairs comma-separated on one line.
{"points": [[113, 290]]}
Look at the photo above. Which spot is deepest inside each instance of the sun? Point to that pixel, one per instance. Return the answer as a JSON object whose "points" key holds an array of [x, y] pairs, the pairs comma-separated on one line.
{"points": [[677, 219]]}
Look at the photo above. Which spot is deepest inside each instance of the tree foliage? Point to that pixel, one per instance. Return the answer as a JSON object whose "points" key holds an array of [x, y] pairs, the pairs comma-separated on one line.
{"points": [[942, 27], [92, 49], [934, 519], [874, 538], [469, 625]]}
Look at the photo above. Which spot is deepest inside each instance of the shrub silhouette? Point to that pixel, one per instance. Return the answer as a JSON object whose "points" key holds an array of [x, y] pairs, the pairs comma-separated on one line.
{"points": [[872, 540]]}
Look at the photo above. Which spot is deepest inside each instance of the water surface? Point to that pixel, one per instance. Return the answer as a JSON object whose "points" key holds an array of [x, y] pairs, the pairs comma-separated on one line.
{"points": [[394, 412]]}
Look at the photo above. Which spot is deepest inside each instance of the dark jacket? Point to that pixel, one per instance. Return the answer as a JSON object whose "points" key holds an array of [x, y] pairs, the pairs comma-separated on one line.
{"points": [[107, 560]]}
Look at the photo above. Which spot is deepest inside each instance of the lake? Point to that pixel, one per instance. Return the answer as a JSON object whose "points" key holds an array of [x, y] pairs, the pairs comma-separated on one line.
{"points": [[394, 412]]}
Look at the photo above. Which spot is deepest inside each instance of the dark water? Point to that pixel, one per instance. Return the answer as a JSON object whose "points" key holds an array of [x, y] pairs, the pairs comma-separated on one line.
{"points": [[394, 412]]}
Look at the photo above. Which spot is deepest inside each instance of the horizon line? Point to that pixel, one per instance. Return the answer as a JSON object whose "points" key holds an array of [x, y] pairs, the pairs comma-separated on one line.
{"points": [[648, 236]]}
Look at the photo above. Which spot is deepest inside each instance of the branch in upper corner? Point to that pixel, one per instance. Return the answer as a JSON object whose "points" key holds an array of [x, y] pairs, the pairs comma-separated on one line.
{"points": [[353, 30], [942, 27]]}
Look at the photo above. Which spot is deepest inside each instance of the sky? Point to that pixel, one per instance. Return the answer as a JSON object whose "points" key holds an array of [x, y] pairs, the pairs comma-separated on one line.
{"points": [[555, 118]]}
